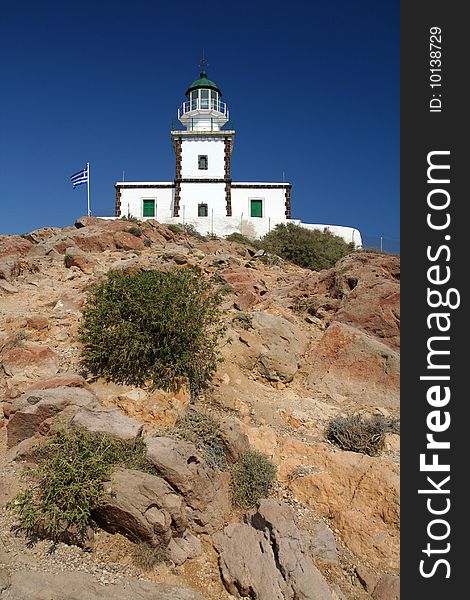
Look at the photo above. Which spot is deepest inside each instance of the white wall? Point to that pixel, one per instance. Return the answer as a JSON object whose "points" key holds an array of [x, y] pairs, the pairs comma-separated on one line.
{"points": [[349, 234], [274, 202], [212, 194], [215, 151], [132, 201]]}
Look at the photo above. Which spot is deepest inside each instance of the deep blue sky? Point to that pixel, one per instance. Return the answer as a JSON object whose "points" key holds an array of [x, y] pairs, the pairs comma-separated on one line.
{"points": [[313, 88]]}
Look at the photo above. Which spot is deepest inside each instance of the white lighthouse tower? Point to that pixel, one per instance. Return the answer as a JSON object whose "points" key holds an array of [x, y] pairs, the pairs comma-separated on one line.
{"points": [[203, 150]]}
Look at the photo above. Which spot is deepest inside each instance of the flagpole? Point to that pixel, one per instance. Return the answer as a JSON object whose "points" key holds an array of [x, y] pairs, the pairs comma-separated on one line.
{"points": [[88, 186]]}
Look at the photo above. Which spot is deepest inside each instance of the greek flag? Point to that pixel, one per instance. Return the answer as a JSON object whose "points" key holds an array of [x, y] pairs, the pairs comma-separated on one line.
{"points": [[79, 177]]}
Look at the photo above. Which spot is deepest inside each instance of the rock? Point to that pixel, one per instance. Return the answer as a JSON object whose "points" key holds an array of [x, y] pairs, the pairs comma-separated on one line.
{"points": [[277, 519], [158, 407], [368, 578], [142, 507], [37, 322], [266, 558], [205, 490], [243, 281], [367, 285], [8, 288], [5, 580], [246, 300], [388, 588], [77, 585], [110, 420], [60, 380], [128, 241], [42, 234], [14, 245], [235, 440], [322, 543], [74, 257], [31, 360], [355, 366], [283, 345], [180, 549], [33, 407], [69, 303]]}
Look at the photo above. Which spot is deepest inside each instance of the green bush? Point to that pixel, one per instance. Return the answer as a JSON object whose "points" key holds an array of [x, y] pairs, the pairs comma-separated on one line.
{"points": [[67, 483], [252, 477], [311, 249], [174, 228], [242, 239], [137, 231], [191, 230], [202, 430], [359, 434], [154, 328]]}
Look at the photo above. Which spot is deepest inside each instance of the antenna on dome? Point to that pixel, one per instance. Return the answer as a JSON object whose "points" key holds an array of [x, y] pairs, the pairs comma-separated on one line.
{"points": [[203, 62]]}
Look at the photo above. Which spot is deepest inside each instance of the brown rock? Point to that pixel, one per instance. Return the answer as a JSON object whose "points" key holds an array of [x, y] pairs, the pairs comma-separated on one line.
{"points": [[246, 300], [142, 507], [37, 322], [267, 558], [28, 412], [31, 360], [353, 365], [74, 257], [235, 440], [72, 585], [368, 578], [14, 245], [41, 235], [70, 303], [128, 241], [110, 420], [60, 380], [157, 408], [205, 490], [8, 288], [388, 588]]}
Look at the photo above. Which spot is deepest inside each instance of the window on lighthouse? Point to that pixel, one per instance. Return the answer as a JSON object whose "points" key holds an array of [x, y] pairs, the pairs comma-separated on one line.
{"points": [[202, 210], [202, 162], [204, 98], [256, 208]]}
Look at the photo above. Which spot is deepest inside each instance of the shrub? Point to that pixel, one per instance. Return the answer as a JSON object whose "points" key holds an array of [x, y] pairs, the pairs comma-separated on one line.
{"points": [[147, 557], [311, 249], [191, 230], [174, 228], [154, 328], [252, 477], [66, 485], [137, 231], [242, 239], [204, 433], [359, 434]]}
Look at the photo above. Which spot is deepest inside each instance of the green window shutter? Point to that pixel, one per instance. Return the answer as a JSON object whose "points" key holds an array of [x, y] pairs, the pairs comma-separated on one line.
{"points": [[149, 208], [256, 208]]}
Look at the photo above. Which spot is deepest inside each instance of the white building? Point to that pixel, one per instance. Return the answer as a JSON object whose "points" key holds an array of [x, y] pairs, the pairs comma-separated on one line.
{"points": [[202, 193]]}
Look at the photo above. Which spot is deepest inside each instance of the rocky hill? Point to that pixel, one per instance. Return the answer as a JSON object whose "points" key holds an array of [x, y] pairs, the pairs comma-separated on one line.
{"points": [[301, 348]]}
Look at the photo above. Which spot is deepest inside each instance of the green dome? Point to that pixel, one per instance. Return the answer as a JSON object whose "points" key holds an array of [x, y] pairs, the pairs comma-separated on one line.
{"points": [[203, 82]]}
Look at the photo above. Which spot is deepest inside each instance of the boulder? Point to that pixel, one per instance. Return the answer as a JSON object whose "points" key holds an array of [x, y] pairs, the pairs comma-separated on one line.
{"points": [[205, 490], [266, 557], [31, 360], [368, 578], [128, 241], [37, 322], [11, 245], [30, 410], [68, 379], [350, 364], [142, 507], [74, 257], [388, 588], [180, 549], [77, 585], [8, 288], [107, 419], [322, 543], [235, 440]]}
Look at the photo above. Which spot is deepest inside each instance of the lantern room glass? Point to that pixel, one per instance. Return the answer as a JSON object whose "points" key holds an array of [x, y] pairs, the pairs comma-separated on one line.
{"points": [[204, 99]]}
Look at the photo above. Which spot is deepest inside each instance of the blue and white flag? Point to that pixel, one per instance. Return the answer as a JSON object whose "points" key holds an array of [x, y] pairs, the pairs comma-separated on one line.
{"points": [[79, 177]]}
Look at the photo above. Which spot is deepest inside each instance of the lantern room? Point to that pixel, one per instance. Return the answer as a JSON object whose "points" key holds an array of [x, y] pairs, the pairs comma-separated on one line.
{"points": [[203, 110]]}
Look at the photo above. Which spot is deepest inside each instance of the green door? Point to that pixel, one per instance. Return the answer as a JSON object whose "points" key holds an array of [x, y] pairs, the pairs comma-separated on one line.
{"points": [[149, 208], [256, 208]]}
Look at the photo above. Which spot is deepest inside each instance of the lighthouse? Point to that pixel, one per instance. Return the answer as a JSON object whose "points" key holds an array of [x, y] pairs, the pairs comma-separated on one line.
{"points": [[202, 193]]}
